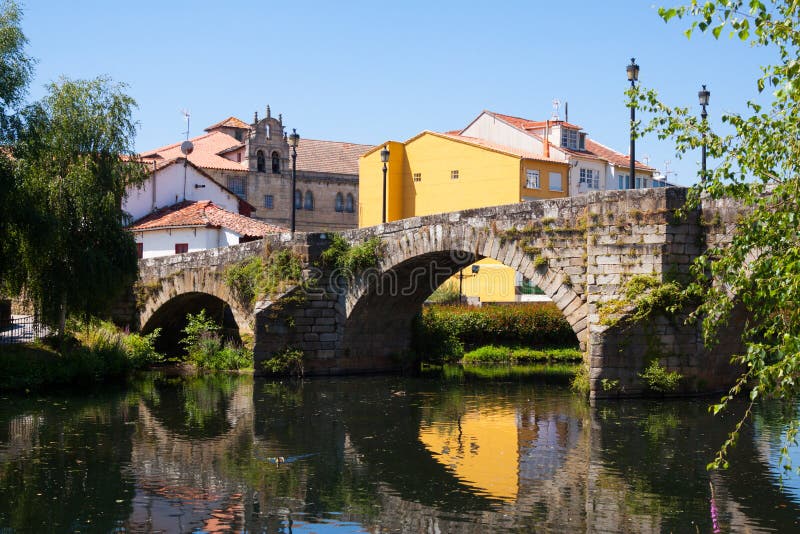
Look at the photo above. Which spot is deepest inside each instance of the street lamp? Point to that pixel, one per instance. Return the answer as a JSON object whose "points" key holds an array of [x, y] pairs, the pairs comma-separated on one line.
{"points": [[703, 96], [633, 75], [385, 160], [294, 140]]}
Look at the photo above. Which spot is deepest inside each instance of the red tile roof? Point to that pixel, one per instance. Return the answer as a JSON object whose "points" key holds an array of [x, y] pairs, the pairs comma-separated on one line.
{"points": [[230, 122], [329, 156], [203, 213], [593, 148], [206, 152], [527, 124]]}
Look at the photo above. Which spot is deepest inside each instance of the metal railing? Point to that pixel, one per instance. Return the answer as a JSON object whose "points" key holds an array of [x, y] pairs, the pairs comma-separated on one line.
{"points": [[21, 329]]}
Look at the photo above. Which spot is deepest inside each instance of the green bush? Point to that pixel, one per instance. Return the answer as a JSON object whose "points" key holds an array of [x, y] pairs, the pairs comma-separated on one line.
{"points": [[502, 354], [446, 293], [438, 328], [206, 349], [658, 379]]}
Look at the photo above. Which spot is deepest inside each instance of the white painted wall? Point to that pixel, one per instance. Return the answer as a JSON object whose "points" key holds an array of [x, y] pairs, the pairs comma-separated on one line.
{"points": [[162, 242], [169, 190], [494, 130], [599, 166]]}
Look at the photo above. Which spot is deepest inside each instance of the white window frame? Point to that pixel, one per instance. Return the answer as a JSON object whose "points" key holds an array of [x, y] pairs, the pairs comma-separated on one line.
{"points": [[556, 177], [532, 179]]}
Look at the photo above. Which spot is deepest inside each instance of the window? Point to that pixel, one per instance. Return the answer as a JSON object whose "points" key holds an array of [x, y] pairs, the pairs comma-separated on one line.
{"points": [[590, 177], [261, 165], [454, 175], [298, 200], [267, 131], [269, 201], [339, 206], [532, 179], [348, 207], [140, 250], [309, 204], [555, 182], [238, 157], [569, 138], [276, 163], [237, 186], [623, 181], [417, 176], [181, 248]]}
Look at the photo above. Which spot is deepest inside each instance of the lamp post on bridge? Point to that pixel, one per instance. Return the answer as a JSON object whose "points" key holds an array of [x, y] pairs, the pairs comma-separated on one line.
{"points": [[294, 140], [703, 96], [633, 75], [385, 160]]}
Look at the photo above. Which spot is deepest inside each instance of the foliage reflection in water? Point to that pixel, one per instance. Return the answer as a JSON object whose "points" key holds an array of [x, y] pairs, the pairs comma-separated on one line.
{"points": [[221, 452]]}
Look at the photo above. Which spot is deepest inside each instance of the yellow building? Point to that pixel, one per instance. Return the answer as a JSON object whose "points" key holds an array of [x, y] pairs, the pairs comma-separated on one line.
{"points": [[438, 173]]}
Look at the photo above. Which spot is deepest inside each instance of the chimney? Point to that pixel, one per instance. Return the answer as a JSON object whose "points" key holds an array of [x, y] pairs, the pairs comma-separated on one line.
{"points": [[546, 142]]}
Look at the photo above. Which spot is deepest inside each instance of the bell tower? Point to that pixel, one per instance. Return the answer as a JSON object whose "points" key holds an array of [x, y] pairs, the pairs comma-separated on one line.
{"points": [[266, 149]]}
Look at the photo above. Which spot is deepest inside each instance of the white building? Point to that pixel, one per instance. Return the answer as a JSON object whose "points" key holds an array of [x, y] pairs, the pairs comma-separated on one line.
{"points": [[593, 166], [176, 180], [190, 226]]}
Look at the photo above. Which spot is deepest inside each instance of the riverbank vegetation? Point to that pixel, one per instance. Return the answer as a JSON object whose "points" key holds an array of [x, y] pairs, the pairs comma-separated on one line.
{"points": [[443, 334], [88, 352], [206, 348]]}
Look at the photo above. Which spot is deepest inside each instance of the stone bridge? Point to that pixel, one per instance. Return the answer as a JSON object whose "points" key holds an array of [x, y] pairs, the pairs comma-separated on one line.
{"points": [[579, 250]]}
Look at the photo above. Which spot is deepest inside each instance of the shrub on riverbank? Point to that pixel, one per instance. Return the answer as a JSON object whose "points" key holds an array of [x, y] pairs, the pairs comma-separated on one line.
{"points": [[206, 348], [441, 333], [90, 352], [514, 355]]}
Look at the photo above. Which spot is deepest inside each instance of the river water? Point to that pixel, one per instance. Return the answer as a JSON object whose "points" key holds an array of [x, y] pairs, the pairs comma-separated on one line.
{"points": [[222, 453]]}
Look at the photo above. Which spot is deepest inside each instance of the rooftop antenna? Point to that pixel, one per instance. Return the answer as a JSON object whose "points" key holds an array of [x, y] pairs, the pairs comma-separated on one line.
{"points": [[187, 116], [646, 159], [186, 148], [554, 116], [566, 111], [667, 172]]}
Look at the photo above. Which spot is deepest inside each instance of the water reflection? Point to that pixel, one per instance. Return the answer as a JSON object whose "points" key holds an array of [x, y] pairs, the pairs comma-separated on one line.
{"points": [[220, 453]]}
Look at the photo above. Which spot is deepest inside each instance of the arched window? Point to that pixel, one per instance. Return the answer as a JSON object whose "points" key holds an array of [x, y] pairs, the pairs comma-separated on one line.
{"points": [[276, 163], [348, 207], [309, 205], [261, 164], [298, 200], [339, 202]]}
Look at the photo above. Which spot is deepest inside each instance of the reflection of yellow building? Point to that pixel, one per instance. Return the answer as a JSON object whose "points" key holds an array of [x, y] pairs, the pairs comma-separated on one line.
{"points": [[481, 448], [437, 173]]}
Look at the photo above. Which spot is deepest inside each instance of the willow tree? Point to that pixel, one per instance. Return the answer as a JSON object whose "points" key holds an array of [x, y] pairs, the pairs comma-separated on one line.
{"points": [[757, 162], [15, 72], [76, 158]]}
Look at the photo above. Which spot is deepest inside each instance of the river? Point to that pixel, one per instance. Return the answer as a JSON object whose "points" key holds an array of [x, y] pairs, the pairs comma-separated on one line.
{"points": [[220, 453]]}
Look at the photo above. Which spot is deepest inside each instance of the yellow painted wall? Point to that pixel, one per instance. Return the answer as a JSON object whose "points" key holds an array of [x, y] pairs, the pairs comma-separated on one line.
{"points": [[486, 177]]}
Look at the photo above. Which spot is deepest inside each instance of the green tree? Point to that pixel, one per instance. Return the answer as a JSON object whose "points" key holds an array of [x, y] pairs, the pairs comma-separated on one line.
{"points": [[15, 73], [757, 162], [75, 159]]}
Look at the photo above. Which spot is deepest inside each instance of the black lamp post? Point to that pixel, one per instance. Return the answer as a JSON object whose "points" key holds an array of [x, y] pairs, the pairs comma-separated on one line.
{"points": [[633, 75], [385, 160], [703, 96], [294, 140]]}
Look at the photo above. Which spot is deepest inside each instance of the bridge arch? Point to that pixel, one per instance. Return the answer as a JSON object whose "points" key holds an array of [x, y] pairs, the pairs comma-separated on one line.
{"points": [[380, 304], [169, 299]]}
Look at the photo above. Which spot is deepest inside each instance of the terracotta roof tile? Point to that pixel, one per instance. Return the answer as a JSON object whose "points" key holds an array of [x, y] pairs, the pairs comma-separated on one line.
{"points": [[230, 122], [206, 152], [527, 124], [612, 156], [206, 214], [329, 156]]}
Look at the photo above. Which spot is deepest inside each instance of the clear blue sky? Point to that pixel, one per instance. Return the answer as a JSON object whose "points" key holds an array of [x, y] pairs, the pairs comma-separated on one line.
{"points": [[366, 72]]}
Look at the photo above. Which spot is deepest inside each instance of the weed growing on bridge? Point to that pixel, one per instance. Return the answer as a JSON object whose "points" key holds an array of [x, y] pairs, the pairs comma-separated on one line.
{"points": [[645, 297], [349, 259], [658, 379], [260, 277]]}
